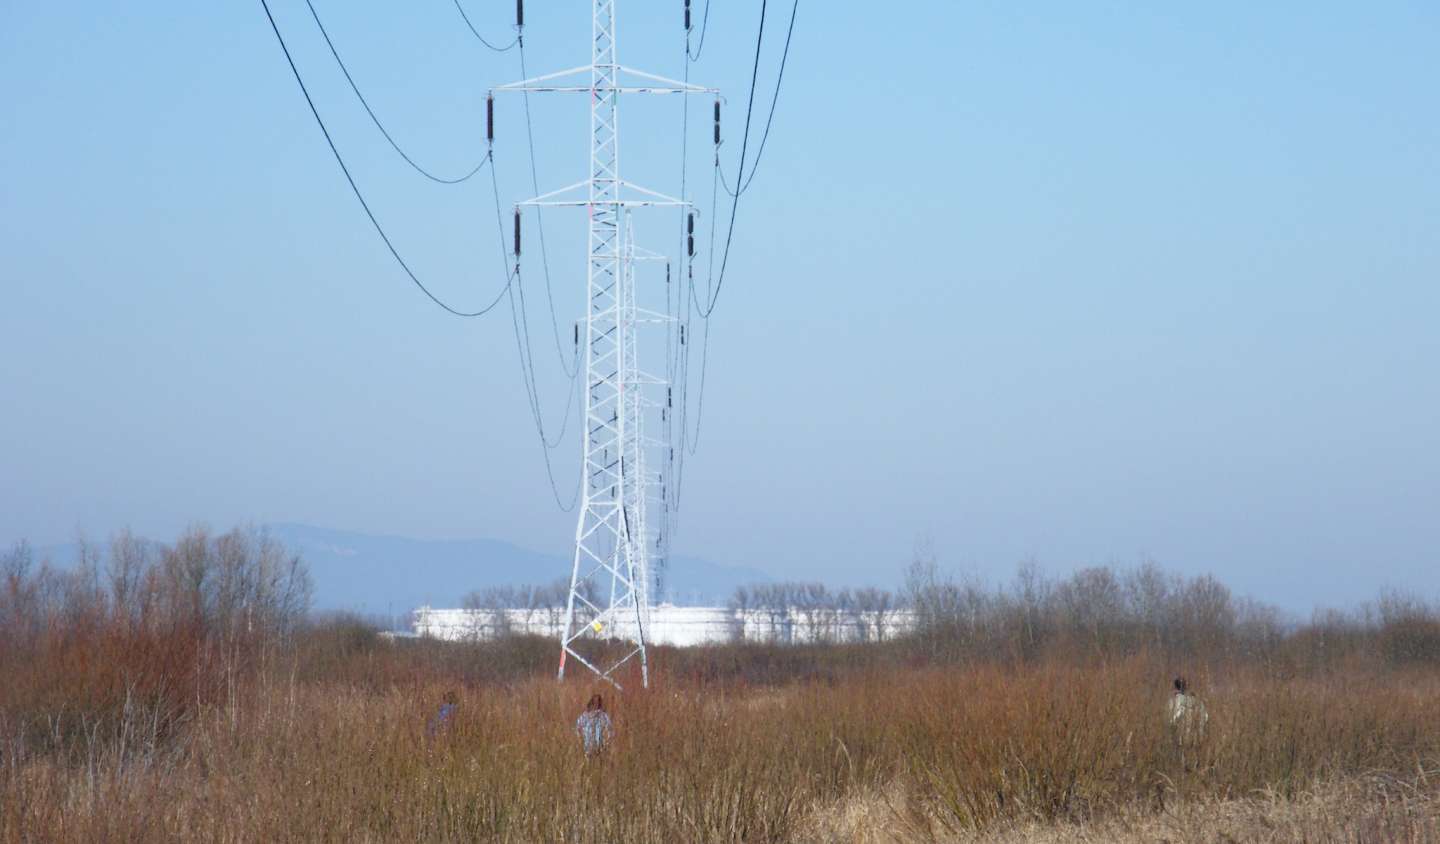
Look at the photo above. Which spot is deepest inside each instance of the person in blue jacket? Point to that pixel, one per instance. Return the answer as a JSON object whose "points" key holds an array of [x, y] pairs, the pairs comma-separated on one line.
{"points": [[441, 721]]}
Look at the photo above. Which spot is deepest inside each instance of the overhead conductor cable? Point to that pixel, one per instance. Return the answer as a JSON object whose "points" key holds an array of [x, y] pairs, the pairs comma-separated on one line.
{"points": [[475, 32], [444, 180], [355, 188]]}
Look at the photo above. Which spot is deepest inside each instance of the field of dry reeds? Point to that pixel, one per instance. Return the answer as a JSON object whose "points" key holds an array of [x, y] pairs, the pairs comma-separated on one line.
{"points": [[184, 697]]}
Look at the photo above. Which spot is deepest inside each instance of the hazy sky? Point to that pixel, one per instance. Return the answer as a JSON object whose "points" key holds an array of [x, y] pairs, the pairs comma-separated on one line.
{"points": [[1082, 283]]}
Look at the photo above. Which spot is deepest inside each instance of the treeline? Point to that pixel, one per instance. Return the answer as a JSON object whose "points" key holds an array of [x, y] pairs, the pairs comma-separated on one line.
{"points": [[1094, 612], [1115, 612], [792, 613], [1097, 611], [1101, 610], [237, 582], [146, 628], [505, 610]]}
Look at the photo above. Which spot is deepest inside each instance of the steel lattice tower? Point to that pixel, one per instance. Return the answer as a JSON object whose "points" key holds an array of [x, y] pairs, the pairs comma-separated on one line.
{"points": [[612, 531]]}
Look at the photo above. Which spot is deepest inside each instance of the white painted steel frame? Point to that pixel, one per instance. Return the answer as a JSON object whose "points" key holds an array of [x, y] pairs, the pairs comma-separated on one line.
{"points": [[612, 530]]}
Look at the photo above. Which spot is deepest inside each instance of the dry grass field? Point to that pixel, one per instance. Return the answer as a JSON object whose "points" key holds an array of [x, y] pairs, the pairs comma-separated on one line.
{"points": [[183, 718], [1048, 752]]}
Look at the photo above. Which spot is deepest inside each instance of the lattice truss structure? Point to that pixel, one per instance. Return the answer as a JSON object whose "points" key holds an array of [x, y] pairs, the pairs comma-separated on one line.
{"points": [[615, 530], [630, 485]]}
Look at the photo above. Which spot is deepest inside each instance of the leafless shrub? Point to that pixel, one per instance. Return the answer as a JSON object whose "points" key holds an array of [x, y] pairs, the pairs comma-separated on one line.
{"points": [[163, 631], [1409, 629]]}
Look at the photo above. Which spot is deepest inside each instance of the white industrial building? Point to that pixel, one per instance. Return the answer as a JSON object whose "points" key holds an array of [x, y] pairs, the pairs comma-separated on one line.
{"points": [[675, 625]]}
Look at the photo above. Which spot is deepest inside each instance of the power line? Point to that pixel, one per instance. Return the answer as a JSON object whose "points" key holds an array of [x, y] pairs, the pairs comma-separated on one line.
{"points": [[527, 356], [527, 363], [510, 279], [540, 223], [473, 31], [545, 446], [376, 120], [521, 325], [769, 120], [744, 146], [356, 189], [682, 352], [676, 349], [532, 395], [700, 404], [688, 445], [745, 143], [774, 98], [694, 444], [704, 27], [526, 371]]}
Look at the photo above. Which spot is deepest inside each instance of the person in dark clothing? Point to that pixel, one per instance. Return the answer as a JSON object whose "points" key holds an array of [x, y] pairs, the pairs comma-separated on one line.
{"points": [[441, 721]]}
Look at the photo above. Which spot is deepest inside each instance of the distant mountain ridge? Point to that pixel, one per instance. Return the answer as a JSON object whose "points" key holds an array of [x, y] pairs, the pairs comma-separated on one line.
{"points": [[389, 575], [381, 574]]}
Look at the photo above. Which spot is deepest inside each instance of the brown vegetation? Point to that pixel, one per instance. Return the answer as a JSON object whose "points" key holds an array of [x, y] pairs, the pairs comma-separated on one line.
{"points": [[196, 714]]}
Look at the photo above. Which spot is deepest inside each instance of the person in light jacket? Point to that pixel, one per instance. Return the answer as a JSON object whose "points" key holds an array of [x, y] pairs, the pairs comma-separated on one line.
{"points": [[1186, 715], [594, 726]]}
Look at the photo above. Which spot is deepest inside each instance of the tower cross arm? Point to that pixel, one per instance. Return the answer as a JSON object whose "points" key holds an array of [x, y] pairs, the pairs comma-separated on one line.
{"points": [[531, 83], [670, 84], [646, 198], [549, 83]]}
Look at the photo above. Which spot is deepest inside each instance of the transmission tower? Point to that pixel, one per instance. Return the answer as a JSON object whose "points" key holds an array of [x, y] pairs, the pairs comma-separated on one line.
{"points": [[609, 594]]}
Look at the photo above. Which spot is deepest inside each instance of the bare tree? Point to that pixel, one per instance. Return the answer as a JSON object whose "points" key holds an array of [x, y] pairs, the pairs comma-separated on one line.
{"points": [[286, 587], [490, 612], [551, 601], [84, 599], [130, 558], [1032, 597], [242, 582], [1207, 614], [874, 611], [17, 593], [1151, 594], [844, 623], [1409, 627], [741, 605], [1092, 602], [772, 603], [812, 603], [531, 601]]}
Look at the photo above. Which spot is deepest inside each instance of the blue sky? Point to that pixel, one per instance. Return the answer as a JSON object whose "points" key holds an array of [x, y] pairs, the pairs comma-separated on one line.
{"points": [[1079, 283]]}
